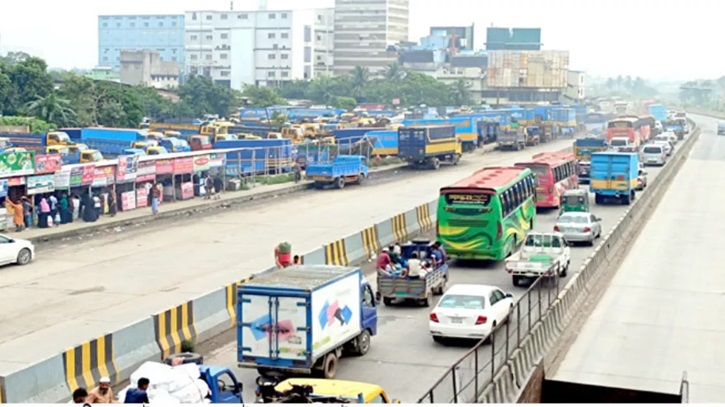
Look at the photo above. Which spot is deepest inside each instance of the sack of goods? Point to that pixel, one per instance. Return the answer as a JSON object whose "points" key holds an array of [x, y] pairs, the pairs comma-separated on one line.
{"points": [[170, 384], [285, 248]]}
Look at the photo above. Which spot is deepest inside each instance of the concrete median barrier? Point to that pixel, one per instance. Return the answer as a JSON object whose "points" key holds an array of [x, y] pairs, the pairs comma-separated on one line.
{"points": [[209, 319], [39, 383], [133, 345], [87, 363], [336, 253], [174, 326]]}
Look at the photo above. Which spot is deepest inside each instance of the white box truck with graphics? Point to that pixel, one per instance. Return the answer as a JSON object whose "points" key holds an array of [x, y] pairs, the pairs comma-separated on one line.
{"points": [[303, 318]]}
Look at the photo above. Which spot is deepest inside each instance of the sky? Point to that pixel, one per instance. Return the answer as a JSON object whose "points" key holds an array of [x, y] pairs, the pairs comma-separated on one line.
{"points": [[655, 39]]}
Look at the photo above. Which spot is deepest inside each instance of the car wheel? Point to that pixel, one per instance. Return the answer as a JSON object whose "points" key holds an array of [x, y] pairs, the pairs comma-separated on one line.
{"points": [[24, 257]]}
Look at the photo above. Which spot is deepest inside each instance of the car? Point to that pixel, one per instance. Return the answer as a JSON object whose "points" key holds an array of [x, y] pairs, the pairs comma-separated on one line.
{"points": [[654, 154], [16, 251], [641, 180], [469, 311], [579, 227], [665, 144]]}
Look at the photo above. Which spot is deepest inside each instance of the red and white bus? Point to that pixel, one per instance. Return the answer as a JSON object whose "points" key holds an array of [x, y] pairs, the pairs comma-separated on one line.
{"points": [[624, 127], [555, 173]]}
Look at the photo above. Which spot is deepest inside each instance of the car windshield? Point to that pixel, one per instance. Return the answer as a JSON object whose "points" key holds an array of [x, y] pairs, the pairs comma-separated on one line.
{"points": [[462, 301], [653, 150], [619, 142], [571, 218], [574, 200]]}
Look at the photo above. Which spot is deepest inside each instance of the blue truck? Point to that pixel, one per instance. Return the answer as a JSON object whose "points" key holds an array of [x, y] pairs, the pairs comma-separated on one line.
{"points": [[466, 128], [302, 318], [659, 112], [429, 145], [353, 134], [677, 126], [614, 176], [583, 149], [488, 131], [111, 142], [342, 170], [256, 156]]}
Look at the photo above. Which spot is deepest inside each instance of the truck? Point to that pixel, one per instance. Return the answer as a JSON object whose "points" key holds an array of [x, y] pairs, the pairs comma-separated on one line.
{"points": [[488, 131], [676, 126], [111, 142], [38, 142], [175, 145], [544, 255], [512, 139], [421, 290], [659, 112], [75, 155], [429, 145], [338, 172], [583, 149], [301, 319], [613, 175]]}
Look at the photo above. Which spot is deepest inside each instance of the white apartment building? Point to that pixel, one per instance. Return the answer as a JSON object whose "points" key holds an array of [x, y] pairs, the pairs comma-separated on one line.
{"points": [[268, 47], [365, 31]]}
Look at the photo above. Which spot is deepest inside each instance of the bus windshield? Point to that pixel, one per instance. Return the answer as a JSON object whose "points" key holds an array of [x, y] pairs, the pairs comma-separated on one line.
{"points": [[621, 125]]}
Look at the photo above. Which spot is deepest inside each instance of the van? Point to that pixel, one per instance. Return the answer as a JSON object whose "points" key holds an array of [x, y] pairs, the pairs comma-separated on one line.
{"points": [[654, 154], [618, 142], [668, 136]]}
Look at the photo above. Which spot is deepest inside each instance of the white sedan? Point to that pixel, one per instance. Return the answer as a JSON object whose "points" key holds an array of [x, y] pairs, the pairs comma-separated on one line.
{"points": [[469, 311], [14, 250]]}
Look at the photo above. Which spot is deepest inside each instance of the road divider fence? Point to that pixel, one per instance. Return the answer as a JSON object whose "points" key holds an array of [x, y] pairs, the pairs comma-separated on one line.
{"points": [[496, 379]]}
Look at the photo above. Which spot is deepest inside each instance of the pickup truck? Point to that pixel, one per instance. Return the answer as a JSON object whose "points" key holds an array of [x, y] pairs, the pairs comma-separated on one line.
{"points": [[542, 255], [395, 287], [302, 318], [340, 171]]}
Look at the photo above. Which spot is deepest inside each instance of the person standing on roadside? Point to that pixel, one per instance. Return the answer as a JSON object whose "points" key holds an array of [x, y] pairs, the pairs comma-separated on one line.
{"points": [[18, 218], [101, 394], [97, 206], [76, 206], [27, 211], [44, 213], [112, 203], [138, 395], [218, 186], [155, 198], [208, 187]]}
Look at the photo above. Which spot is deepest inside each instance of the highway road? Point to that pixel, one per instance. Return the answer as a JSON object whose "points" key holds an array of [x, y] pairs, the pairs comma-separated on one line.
{"points": [[403, 358], [75, 292], [662, 314]]}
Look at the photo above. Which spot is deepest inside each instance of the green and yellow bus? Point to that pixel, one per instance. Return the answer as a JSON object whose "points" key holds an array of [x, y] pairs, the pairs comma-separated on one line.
{"points": [[486, 216]]}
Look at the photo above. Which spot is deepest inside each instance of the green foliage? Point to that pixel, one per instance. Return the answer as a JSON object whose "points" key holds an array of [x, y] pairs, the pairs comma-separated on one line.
{"points": [[202, 96], [52, 109], [260, 96], [396, 83], [278, 119], [624, 86], [188, 346], [343, 102], [36, 125]]}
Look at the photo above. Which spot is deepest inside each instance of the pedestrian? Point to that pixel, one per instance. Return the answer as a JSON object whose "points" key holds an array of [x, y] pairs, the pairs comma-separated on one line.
{"points": [[79, 396], [97, 206], [18, 217], [65, 213], [87, 209], [209, 187], [155, 198], [76, 206], [297, 172], [138, 395], [53, 205], [44, 213], [103, 394], [218, 186], [27, 211], [112, 203]]}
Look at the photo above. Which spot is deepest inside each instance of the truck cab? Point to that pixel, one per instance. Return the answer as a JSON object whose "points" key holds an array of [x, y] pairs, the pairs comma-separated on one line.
{"points": [[58, 138], [134, 151], [91, 156], [293, 133], [154, 136], [542, 255], [5, 143], [145, 144], [175, 145], [224, 137], [342, 170], [199, 143], [156, 150], [172, 133]]}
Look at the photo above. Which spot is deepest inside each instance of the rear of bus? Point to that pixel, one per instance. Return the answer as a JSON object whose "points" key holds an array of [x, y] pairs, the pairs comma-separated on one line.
{"points": [[546, 192], [469, 223], [622, 128]]}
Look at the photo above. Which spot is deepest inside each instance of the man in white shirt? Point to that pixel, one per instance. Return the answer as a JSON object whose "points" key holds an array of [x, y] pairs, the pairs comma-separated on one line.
{"points": [[415, 268]]}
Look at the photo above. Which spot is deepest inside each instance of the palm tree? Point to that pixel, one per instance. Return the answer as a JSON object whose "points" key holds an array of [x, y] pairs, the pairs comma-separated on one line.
{"points": [[460, 92], [394, 72], [52, 109], [360, 78]]}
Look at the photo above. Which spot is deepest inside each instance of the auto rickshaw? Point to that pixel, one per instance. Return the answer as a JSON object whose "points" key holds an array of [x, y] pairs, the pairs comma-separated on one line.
{"points": [[574, 200]]}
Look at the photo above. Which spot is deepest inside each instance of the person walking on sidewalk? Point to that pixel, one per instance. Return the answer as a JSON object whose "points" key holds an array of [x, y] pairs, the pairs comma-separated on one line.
{"points": [[208, 187], [27, 211], [155, 198], [218, 187], [112, 203]]}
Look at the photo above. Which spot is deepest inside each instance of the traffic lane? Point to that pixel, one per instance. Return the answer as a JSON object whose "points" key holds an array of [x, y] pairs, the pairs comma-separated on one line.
{"points": [[110, 281]]}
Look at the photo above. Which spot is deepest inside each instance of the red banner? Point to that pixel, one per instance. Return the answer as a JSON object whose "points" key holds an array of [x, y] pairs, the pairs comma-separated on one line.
{"points": [[89, 172], [183, 165], [48, 163], [164, 167], [16, 181]]}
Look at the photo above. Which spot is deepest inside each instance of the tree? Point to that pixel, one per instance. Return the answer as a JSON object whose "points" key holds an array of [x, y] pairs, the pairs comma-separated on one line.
{"points": [[261, 96], [35, 125], [343, 102], [52, 109], [30, 80], [206, 97], [460, 92], [394, 72], [360, 78], [6, 88]]}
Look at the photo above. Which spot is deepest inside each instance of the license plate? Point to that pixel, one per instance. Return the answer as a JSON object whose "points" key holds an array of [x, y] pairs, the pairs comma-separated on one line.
{"points": [[319, 178], [455, 320]]}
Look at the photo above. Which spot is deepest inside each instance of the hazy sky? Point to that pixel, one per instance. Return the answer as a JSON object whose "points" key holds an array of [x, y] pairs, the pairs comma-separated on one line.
{"points": [[659, 39]]}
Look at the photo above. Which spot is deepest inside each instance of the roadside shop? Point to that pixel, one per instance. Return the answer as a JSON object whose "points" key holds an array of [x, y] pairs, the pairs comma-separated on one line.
{"points": [[145, 178], [125, 186], [183, 183]]}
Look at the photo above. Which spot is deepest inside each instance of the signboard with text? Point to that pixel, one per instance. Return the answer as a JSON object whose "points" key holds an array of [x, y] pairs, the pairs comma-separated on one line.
{"points": [[48, 163], [40, 184], [13, 164]]}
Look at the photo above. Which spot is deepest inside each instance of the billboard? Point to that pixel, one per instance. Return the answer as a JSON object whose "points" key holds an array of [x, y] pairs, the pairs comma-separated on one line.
{"points": [[527, 69]]}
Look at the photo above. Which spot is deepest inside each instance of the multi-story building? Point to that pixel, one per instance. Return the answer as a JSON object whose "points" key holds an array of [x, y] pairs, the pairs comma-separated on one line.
{"points": [[264, 47], [367, 32], [147, 68], [103, 73], [461, 38], [513, 39], [163, 33], [575, 87]]}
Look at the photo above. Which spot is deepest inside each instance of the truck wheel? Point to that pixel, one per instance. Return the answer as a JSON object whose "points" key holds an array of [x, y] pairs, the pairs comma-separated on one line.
{"points": [[435, 163], [598, 199], [340, 183], [387, 301], [329, 366], [362, 343], [361, 178], [516, 280]]}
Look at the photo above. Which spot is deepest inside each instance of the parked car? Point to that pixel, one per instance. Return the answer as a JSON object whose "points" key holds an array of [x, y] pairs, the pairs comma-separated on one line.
{"points": [[579, 227], [469, 311], [18, 251]]}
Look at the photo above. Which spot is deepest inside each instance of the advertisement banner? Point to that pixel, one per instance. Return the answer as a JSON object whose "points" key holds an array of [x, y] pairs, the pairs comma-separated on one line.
{"points": [[89, 174], [128, 200], [127, 168], [146, 171], [184, 165], [202, 163], [62, 178], [16, 181], [48, 163], [164, 167], [103, 176], [17, 163], [187, 190], [142, 197], [40, 184], [3, 188], [217, 160]]}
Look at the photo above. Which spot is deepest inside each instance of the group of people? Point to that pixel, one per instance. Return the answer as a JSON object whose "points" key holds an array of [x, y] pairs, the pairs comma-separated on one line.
{"points": [[58, 209], [103, 394], [213, 187], [390, 262]]}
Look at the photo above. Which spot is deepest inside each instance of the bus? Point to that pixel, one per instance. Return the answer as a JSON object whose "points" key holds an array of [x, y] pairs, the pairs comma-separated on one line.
{"points": [[554, 173], [486, 216], [646, 126], [625, 127], [595, 123]]}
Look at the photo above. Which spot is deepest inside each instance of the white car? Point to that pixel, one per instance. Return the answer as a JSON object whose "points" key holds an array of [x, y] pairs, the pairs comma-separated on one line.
{"points": [[19, 251], [469, 311], [665, 144], [654, 154]]}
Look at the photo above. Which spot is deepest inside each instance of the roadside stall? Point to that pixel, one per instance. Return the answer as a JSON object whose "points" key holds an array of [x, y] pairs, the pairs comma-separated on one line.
{"points": [[202, 164], [14, 166], [165, 176], [36, 187], [183, 183], [145, 177], [217, 161], [126, 170], [81, 178], [103, 183]]}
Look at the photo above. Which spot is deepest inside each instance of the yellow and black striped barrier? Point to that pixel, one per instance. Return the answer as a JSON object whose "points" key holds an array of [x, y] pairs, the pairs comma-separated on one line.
{"points": [[174, 326], [335, 254], [400, 231], [424, 219], [86, 364], [371, 242]]}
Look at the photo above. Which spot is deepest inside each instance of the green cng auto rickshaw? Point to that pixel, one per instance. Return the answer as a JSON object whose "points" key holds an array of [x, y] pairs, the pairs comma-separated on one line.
{"points": [[574, 200]]}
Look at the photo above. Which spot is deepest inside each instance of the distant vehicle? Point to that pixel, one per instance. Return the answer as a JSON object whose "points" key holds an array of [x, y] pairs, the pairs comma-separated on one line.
{"points": [[579, 227], [555, 173], [642, 180], [342, 170], [429, 145], [156, 150], [614, 175], [720, 128], [134, 151], [542, 255], [18, 251], [626, 127], [574, 200], [620, 142], [666, 144], [654, 154], [469, 311]]}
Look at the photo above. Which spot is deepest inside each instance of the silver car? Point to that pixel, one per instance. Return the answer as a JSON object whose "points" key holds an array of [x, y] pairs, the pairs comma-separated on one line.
{"points": [[579, 227]]}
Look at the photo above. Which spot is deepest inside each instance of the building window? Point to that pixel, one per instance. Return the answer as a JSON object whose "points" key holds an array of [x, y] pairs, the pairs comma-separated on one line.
{"points": [[224, 16], [105, 58], [193, 16], [194, 38], [194, 57], [272, 16], [225, 36], [270, 74], [209, 37], [285, 74], [283, 15], [161, 24], [133, 25], [319, 17], [275, 46], [173, 50], [118, 25], [284, 56], [242, 17], [223, 56], [319, 37], [271, 36], [285, 36], [105, 25], [225, 73], [308, 33], [272, 56], [308, 54], [209, 17], [208, 57], [173, 24], [145, 24]]}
